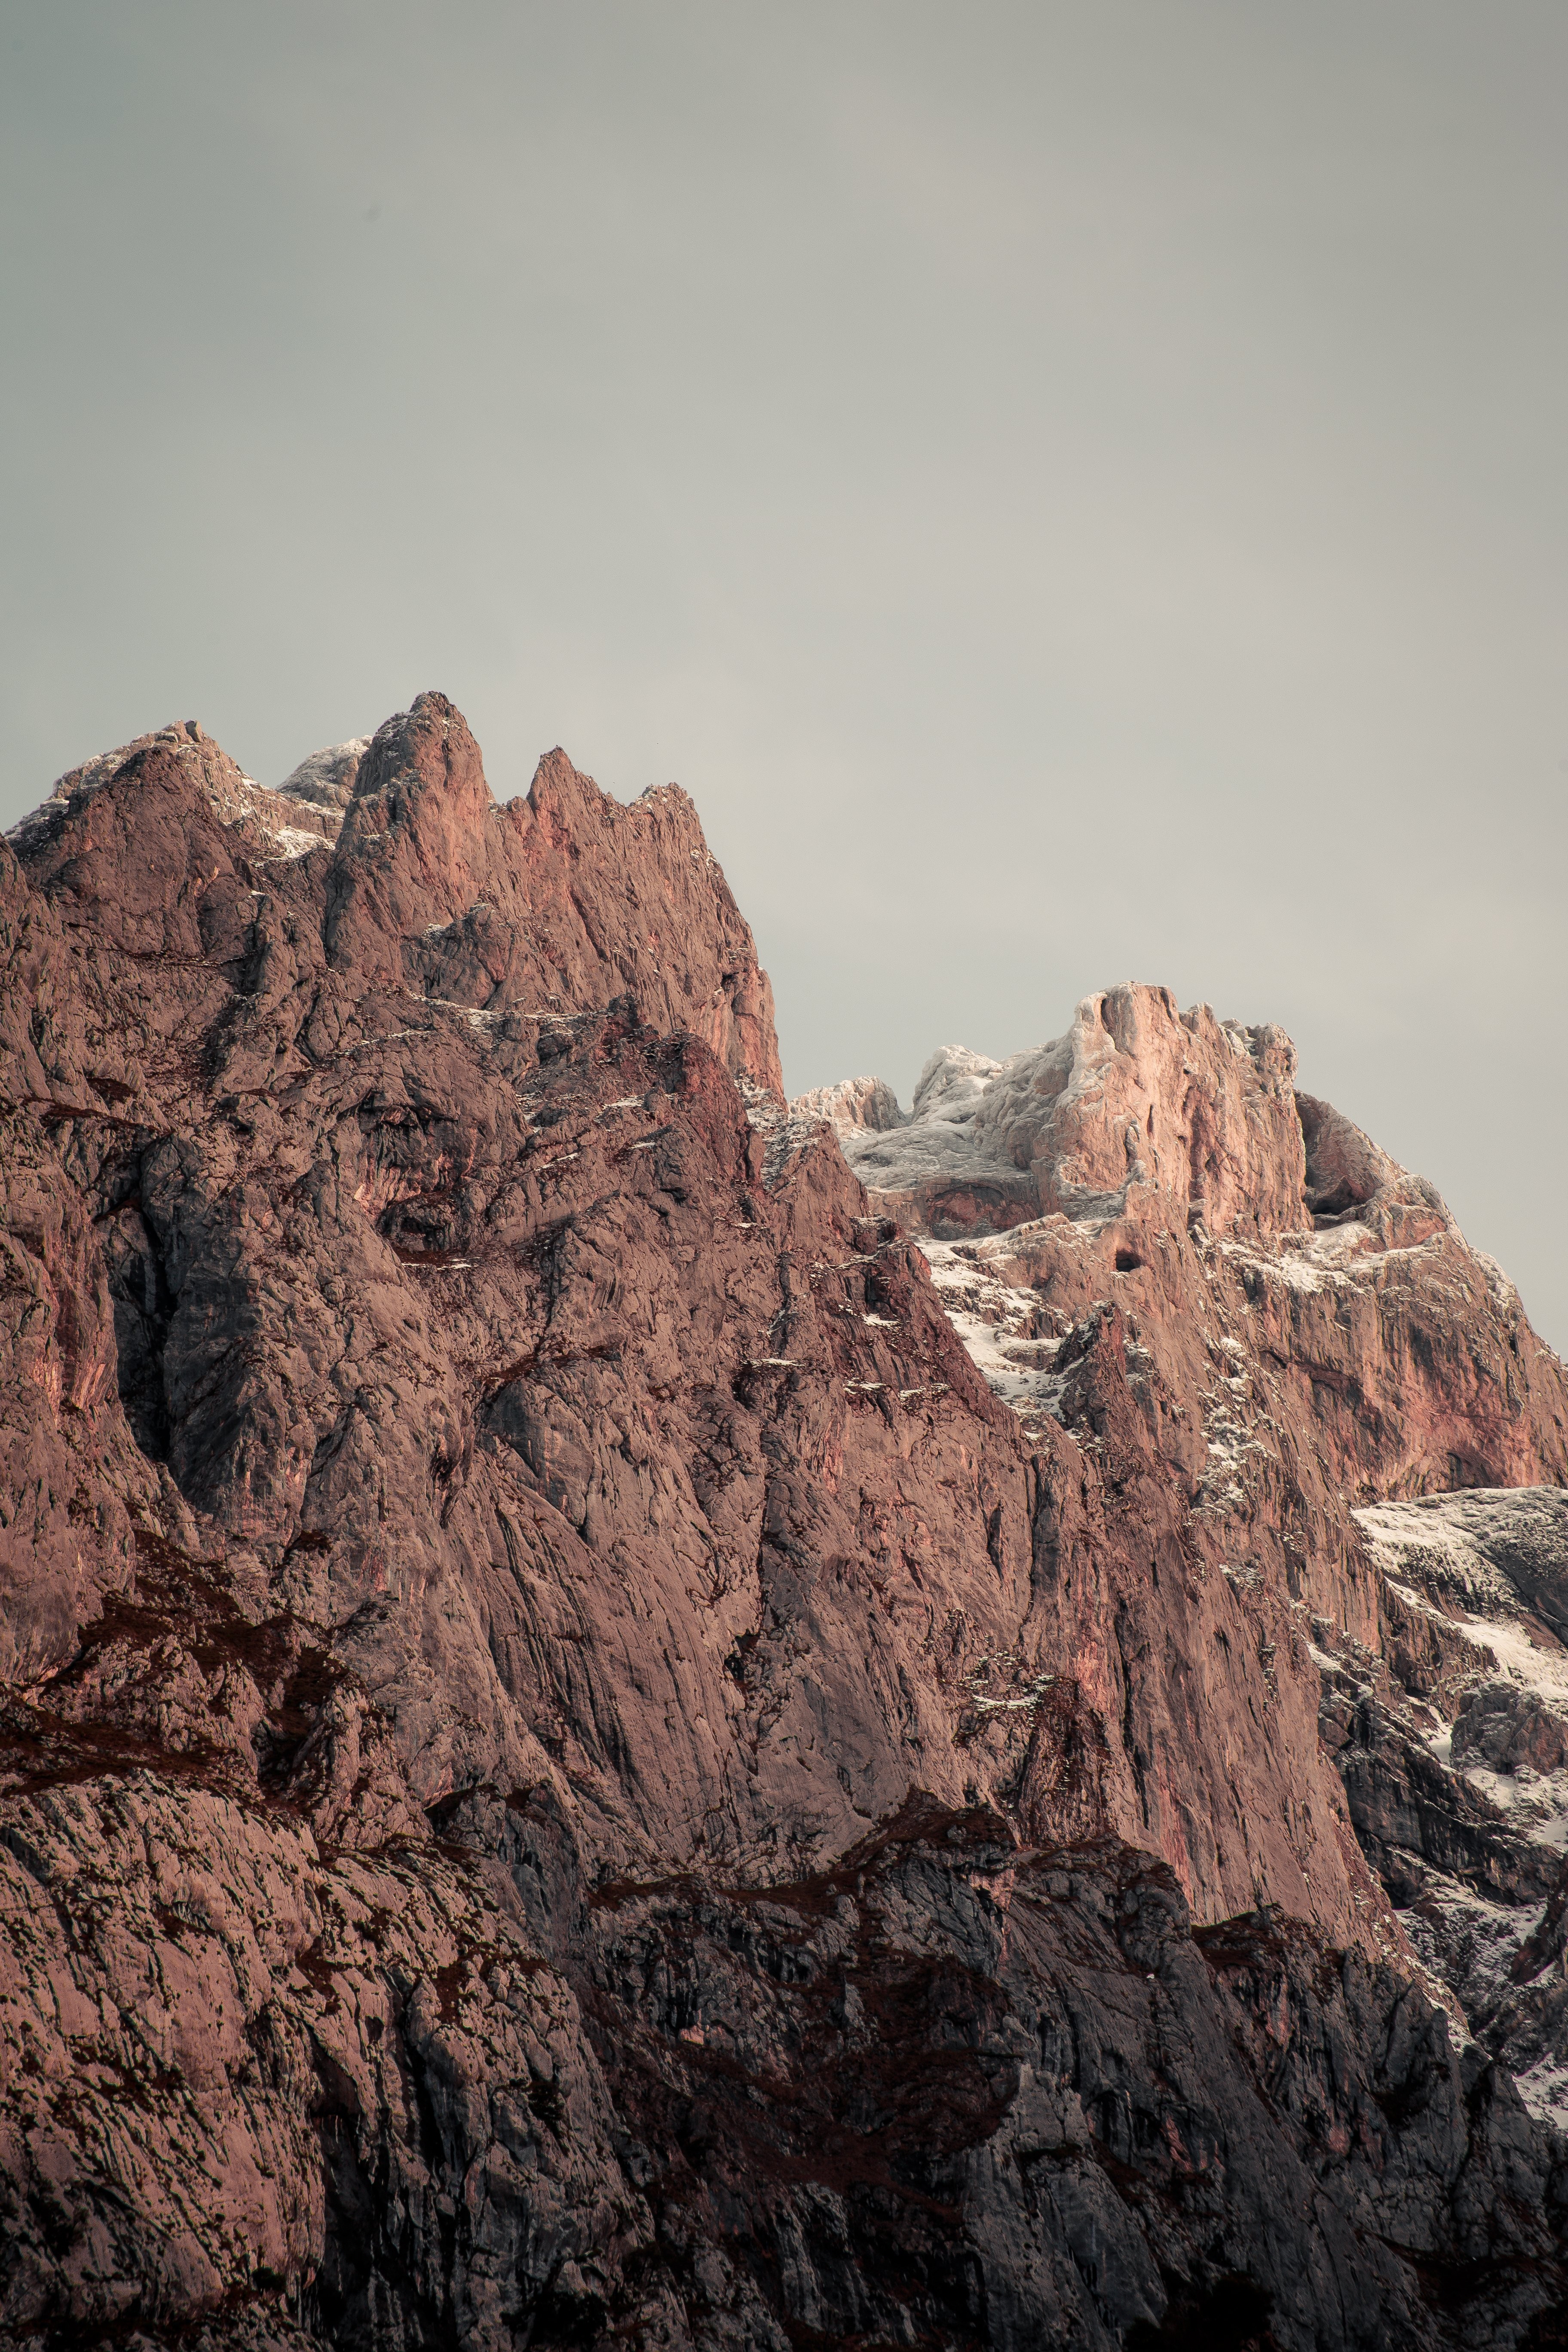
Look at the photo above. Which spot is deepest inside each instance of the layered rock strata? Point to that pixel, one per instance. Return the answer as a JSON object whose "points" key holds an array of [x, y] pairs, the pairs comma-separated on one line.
{"points": [[640, 1713]]}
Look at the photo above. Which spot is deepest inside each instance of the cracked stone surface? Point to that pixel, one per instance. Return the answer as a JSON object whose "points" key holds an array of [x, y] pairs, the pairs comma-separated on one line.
{"points": [[614, 1734]]}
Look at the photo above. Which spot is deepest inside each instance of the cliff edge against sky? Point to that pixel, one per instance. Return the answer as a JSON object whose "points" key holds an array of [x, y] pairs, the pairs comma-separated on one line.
{"points": [[639, 1715]]}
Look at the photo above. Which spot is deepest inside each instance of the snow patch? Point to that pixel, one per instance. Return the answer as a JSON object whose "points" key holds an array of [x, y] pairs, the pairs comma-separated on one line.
{"points": [[326, 779], [1543, 2088], [1490, 1565], [290, 842], [997, 1325], [892, 1150]]}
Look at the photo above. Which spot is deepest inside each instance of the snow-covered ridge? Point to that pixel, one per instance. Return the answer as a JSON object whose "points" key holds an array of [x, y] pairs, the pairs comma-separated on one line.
{"points": [[854, 1104], [892, 1148]]}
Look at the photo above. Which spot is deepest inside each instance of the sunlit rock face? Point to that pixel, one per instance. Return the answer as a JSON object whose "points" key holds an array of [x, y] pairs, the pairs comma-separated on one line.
{"points": [[636, 1712]]}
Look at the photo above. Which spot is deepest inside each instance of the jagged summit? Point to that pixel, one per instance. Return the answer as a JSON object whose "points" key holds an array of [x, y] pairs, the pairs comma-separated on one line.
{"points": [[560, 899], [612, 1735], [1145, 1141], [1137, 1108], [183, 750]]}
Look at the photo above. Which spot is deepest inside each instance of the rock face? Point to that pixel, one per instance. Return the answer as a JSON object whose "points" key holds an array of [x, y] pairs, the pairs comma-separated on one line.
{"points": [[638, 1714]]}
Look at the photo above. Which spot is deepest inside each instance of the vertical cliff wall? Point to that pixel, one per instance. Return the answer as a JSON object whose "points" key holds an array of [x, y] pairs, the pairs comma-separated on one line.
{"points": [[611, 1735]]}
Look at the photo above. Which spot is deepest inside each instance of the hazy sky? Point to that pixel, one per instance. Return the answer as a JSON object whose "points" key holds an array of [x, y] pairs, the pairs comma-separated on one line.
{"points": [[1075, 492]]}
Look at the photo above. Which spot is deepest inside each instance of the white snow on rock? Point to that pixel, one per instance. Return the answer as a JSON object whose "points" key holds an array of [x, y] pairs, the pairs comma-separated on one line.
{"points": [[790, 1130], [1310, 1262], [294, 822], [326, 779], [1137, 1106], [290, 843], [1468, 1943], [970, 1117], [1543, 2088], [1491, 1564], [891, 1149], [1000, 1328], [853, 1105], [1072, 1125], [1500, 1551]]}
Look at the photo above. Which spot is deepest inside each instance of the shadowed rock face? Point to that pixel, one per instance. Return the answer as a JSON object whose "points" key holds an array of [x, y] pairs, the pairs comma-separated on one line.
{"points": [[610, 1738]]}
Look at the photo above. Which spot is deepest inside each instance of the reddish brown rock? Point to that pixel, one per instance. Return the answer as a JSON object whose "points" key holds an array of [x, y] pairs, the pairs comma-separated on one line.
{"points": [[562, 898], [505, 1539]]}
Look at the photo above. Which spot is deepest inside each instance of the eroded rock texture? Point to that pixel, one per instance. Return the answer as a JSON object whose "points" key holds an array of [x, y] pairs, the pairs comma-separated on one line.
{"points": [[611, 1738]]}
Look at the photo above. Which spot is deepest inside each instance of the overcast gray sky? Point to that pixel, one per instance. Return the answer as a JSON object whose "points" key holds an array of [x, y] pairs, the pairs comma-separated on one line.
{"points": [[1075, 492]]}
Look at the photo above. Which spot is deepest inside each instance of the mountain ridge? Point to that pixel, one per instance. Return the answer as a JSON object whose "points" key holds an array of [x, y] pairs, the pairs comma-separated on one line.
{"points": [[637, 1704]]}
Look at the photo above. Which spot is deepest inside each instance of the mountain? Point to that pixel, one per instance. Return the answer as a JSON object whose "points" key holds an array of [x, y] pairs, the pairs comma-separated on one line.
{"points": [[640, 1715]]}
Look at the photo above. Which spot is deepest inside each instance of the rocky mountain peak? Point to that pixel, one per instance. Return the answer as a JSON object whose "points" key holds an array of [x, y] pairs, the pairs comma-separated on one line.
{"points": [[1134, 1100], [635, 1714], [421, 772]]}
